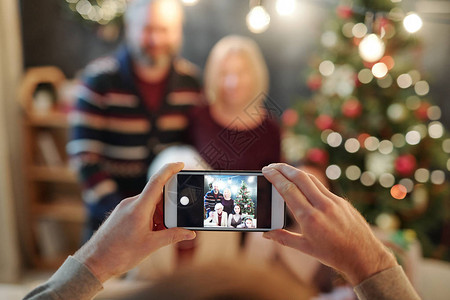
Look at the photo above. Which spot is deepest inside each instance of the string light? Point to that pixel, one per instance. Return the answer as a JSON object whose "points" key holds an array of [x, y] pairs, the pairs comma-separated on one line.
{"points": [[404, 81], [398, 191], [421, 88], [102, 12], [412, 22], [353, 172], [258, 19], [408, 184], [365, 76], [413, 137], [434, 113], [371, 48]]}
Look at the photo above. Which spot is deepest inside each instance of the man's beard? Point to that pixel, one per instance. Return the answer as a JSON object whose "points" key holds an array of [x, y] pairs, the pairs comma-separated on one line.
{"points": [[153, 61]]}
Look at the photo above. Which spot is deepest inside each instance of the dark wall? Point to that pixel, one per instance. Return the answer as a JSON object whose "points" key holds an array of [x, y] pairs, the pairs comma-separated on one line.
{"points": [[53, 36]]}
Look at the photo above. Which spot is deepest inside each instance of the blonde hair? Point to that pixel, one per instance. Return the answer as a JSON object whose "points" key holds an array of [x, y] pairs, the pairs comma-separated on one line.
{"points": [[230, 45]]}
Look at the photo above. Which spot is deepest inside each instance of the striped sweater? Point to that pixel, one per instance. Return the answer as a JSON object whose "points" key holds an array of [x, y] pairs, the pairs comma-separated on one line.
{"points": [[114, 136]]}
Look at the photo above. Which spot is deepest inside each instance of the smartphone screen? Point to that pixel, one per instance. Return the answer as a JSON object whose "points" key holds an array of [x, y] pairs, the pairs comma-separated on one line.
{"points": [[223, 201]]}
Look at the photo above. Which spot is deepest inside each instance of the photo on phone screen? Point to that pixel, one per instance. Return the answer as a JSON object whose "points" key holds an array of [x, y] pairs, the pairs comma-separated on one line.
{"points": [[222, 201]]}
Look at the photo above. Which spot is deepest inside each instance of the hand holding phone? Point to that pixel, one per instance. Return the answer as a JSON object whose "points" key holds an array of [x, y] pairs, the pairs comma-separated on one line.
{"points": [[222, 200]]}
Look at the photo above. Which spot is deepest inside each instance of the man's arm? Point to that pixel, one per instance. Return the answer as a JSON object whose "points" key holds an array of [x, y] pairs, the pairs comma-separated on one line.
{"points": [[128, 236], [86, 149], [335, 233]]}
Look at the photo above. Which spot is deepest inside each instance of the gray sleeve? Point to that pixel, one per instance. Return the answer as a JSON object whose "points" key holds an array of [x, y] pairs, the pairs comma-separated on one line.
{"points": [[72, 280], [386, 285]]}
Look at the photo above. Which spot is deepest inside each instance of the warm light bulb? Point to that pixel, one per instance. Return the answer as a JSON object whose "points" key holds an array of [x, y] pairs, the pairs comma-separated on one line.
{"points": [[285, 7], [412, 23], [189, 2], [258, 19], [371, 48]]}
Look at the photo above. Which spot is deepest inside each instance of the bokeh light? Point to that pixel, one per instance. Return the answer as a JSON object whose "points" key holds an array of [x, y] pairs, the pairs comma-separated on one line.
{"points": [[434, 113], [408, 184], [387, 180], [404, 81], [189, 2], [398, 191], [368, 178], [386, 147], [285, 7], [365, 76], [437, 177], [422, 175], [412, 23], [326, 68], [353, 172], [371, 143], [446, 145], [379, 70], [334, 139], [347, 29], [359, 30], [371, 48], [435, 129], [352, 145], [398, 140], [421, 88], [258, 19], [413, 137], [333, 172]]}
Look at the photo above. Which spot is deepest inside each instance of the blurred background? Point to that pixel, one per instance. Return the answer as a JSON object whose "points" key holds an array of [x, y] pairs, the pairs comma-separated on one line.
{"points": [[313, 51]]}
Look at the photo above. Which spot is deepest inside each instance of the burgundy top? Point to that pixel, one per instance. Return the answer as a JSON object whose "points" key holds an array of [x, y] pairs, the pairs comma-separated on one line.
{"points": [[231, 149]]}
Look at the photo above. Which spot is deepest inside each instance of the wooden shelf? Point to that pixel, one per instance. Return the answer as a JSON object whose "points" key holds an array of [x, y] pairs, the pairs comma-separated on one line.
{"points": [[54, 119], [61, 174], [66, 211]]}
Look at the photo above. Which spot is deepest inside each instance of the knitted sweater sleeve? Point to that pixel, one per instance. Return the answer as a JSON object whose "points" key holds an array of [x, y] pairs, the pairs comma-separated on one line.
{"points": [[86, 147], [388, 284], [72, 280]]}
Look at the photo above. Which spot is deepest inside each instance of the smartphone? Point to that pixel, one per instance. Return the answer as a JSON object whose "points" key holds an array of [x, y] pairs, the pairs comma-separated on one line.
{"points": [[222, 200]]}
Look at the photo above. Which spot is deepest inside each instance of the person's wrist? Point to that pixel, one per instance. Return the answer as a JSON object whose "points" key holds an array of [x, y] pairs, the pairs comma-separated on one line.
{"points": [[370, 264], [90, 257]]}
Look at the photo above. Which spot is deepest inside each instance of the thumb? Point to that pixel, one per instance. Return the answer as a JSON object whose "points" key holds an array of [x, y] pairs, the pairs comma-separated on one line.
{"points": [[287, 238], [171, 236]]}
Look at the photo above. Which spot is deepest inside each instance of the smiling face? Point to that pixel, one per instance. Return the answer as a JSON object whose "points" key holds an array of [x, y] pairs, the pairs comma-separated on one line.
{"points": [[237, 209], [249, 223], [236, 80], [227, 194]]}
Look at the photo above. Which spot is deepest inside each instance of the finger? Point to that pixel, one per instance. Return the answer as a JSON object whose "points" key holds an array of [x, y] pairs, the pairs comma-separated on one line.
{"points": [[305, 184], [152, 193], [295, 200], [289, 239], [323, 188], [171, 236]]}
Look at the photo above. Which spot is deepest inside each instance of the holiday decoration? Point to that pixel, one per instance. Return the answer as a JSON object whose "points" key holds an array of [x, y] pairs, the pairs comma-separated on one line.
{"points": [[245, 201], [371, 126]]}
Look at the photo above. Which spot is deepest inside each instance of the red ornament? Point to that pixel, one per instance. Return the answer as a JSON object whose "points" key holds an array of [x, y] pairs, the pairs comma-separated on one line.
{"points": [[351, 108], [314, 82], [421, 112], [344, 11], [405, 165], [318, 156], [289, 117], [324, 122]]}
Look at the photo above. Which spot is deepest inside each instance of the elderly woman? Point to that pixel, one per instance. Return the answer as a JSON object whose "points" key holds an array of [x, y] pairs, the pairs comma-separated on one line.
{"points": [[217, 217], [235, 131]]}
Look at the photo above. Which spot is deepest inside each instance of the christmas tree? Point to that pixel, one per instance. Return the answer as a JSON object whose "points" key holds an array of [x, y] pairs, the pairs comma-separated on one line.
{"points": [[371, 126], [245, 201]]}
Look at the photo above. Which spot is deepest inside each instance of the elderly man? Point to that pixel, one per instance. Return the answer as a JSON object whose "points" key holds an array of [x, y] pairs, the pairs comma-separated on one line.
{"points": [[131, 106]]}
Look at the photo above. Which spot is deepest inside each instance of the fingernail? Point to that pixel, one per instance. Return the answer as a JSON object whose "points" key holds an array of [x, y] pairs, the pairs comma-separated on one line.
{"points": [[267, 169]]}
